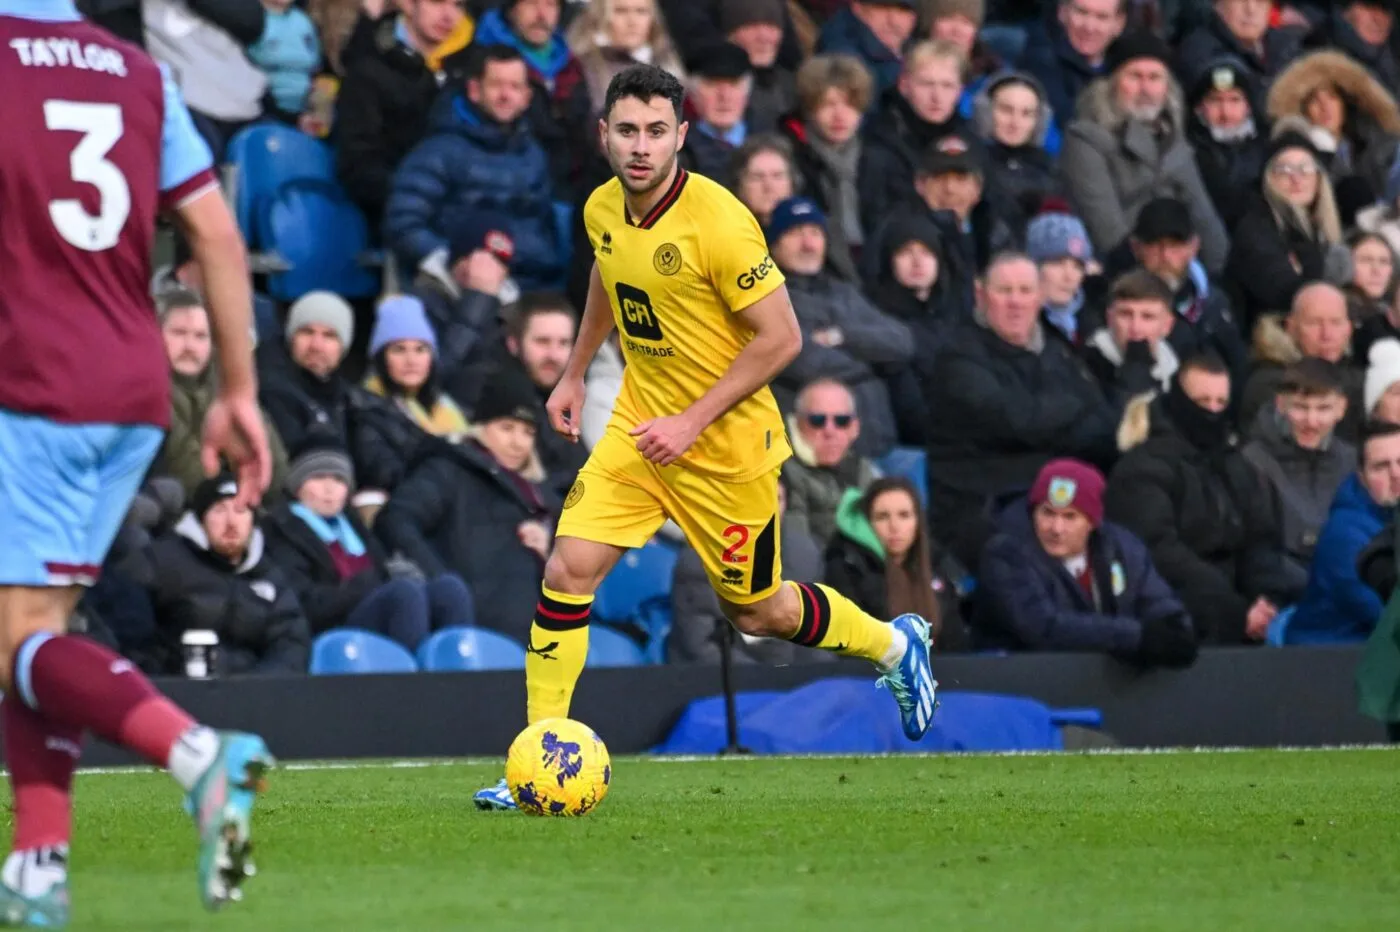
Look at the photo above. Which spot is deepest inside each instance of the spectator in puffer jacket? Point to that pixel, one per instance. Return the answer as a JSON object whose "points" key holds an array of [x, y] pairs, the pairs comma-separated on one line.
{"points": [[212, 573], [1338, 606], [340, 571], [876, 32], [403, 354], [289, 53], [884, 558], [1185, 490], [1298, 455], [824, 461], [478, 509], [1056, 576], [480, 155]]}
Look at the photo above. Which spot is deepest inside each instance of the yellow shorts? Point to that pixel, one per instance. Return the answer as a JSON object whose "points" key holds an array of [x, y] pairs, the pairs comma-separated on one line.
{"points": [[621, 498]]}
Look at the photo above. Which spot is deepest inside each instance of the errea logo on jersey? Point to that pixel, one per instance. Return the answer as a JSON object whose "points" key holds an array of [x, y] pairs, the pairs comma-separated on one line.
{"points": [[756, 274]]}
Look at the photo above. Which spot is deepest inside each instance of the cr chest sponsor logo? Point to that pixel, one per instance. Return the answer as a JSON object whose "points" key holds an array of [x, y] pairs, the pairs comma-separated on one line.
{"points": [[640, 323], [756, 274]]}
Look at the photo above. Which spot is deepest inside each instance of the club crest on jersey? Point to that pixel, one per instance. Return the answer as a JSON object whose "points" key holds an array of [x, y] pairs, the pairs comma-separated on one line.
{"points": [[1062, 492], [575, 494], [667, 259]]}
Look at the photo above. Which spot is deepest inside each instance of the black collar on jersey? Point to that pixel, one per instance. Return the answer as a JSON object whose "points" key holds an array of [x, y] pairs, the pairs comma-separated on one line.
{"points": [[672, 195]]}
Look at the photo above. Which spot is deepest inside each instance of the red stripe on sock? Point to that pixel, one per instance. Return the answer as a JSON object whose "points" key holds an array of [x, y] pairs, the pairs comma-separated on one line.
{"points": [[560, 616], [810, 626]]}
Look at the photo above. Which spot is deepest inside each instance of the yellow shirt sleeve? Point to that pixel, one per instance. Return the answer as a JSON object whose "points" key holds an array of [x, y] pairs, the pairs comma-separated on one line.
{"points": [[740, 266]]}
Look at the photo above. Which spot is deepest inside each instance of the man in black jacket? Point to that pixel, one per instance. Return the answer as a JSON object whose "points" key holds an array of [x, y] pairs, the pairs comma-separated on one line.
{"points": [[1184, 487], [382, 107], [1004, 395], [211, 573]]}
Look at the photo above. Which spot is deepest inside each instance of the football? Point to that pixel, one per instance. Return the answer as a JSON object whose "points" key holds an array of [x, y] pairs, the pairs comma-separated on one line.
{"points": [[558, 767]]}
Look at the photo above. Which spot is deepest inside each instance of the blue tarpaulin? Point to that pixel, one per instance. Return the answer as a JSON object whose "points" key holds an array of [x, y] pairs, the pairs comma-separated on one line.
{"points": [[852, 716]]}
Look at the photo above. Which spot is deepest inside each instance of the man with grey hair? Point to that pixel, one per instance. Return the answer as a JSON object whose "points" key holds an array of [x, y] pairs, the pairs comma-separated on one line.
{"points": [[1128, 145], [1004, 397]]}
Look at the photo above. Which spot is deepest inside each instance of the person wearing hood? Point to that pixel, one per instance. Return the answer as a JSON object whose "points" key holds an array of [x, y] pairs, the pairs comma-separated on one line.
{"points": [[883, 557], [1300, 459], [1057, 577], [1003, 400], [1072, 299], [1241, 31], [558, 110], [479, 155], [1228, 140], [1319, 327], [1350, 116], [918, 283], [1131, 355], [1012, 116], [1289, 236], [1128, 145], [1183, 487], [824, 464], [212, 573], [1338, 607], [920, 110], [844, 336], [479, 509]]}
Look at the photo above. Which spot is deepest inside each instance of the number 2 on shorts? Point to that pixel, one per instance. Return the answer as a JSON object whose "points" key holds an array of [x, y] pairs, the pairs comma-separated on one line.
{"points": [[740, 535]]}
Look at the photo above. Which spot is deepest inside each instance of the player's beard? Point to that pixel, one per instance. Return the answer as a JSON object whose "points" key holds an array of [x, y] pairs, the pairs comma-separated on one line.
{"points": [[651, 184]]}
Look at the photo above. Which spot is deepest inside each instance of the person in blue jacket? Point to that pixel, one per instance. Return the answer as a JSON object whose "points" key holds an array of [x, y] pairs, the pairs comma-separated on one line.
{"points": [[1056, 576], [1337, 606], [479, 155], [876, 32]]}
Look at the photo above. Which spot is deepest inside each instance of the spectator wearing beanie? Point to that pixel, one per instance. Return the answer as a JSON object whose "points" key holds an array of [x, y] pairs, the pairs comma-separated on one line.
{"points": [[1128, 145], [1012, 116], [1381, 391], [1056, 576], [756, 26], [1227, 133], [478, 509], [403, 352], [212, 572], [340, 571], [606, 42], [1289, 236], [1073, 300]]}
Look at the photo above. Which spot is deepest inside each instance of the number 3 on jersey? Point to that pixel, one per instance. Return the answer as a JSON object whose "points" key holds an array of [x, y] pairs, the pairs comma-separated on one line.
{"points": [[101, 128]]}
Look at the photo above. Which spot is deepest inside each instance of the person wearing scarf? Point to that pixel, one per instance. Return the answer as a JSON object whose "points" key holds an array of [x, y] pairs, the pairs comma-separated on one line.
{"points": [[403, 361]]}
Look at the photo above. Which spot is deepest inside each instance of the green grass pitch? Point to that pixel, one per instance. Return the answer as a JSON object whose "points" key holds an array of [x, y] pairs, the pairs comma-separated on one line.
{"points": [[1190, 841]]}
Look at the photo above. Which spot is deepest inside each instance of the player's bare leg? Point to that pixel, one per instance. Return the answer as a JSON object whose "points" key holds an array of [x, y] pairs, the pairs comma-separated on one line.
{"points": [[818, 616], [558, 646], [56, 687]]}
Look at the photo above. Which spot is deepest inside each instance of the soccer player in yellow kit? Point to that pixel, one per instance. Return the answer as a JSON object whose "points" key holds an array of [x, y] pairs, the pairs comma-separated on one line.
{"points": [[682, 270]]}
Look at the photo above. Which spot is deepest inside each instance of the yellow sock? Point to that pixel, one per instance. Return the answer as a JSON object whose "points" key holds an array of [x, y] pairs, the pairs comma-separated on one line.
{"points": [[554, 658], [830, 621]]}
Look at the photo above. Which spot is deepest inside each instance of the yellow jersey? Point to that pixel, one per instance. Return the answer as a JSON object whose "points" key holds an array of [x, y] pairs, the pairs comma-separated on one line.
{"points": [[675, 281]]}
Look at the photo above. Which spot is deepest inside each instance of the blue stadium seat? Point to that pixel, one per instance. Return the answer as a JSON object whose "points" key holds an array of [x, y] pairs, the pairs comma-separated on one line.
{"points": [[470, 648], [910, 463], [638, 592], [609, 648], [350, 650], [321, 237], [263, 158]]}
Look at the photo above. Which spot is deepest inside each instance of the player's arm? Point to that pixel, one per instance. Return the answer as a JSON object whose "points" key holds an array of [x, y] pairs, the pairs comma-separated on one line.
{"points": [[566, 401], [776, 341]]}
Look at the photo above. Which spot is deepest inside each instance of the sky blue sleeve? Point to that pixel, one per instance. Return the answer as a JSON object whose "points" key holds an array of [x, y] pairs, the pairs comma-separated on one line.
{"points": [[183, 152]]}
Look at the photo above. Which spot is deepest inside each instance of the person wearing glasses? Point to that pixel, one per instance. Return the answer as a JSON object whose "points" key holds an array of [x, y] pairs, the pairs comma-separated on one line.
{"points": [[825, 463]]}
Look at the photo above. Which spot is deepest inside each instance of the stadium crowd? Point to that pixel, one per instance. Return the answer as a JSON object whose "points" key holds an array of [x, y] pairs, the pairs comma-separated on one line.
{"points": [[1122, 272]]}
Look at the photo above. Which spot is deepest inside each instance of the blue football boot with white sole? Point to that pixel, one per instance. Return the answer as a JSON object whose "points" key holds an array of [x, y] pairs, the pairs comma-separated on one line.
{"points": [[222, 806], [495, 798], [911, 680]]}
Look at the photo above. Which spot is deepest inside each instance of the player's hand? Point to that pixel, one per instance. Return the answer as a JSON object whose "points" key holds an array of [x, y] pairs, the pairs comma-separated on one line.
{"points": [[565, 407], [663, 440], [233, 430]]}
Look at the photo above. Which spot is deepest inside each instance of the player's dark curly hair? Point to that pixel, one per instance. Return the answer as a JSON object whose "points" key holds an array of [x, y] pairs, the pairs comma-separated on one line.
{"points": [[645, 82]]}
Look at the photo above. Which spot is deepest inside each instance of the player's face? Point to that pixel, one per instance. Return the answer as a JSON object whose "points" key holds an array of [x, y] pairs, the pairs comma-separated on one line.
{"points": [[317, 349], [895, 519], [1062, 532], [409, 363], [641, 138], [510, 441], [188, 344], [545, 346], [228, 527], [324, 495]]}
